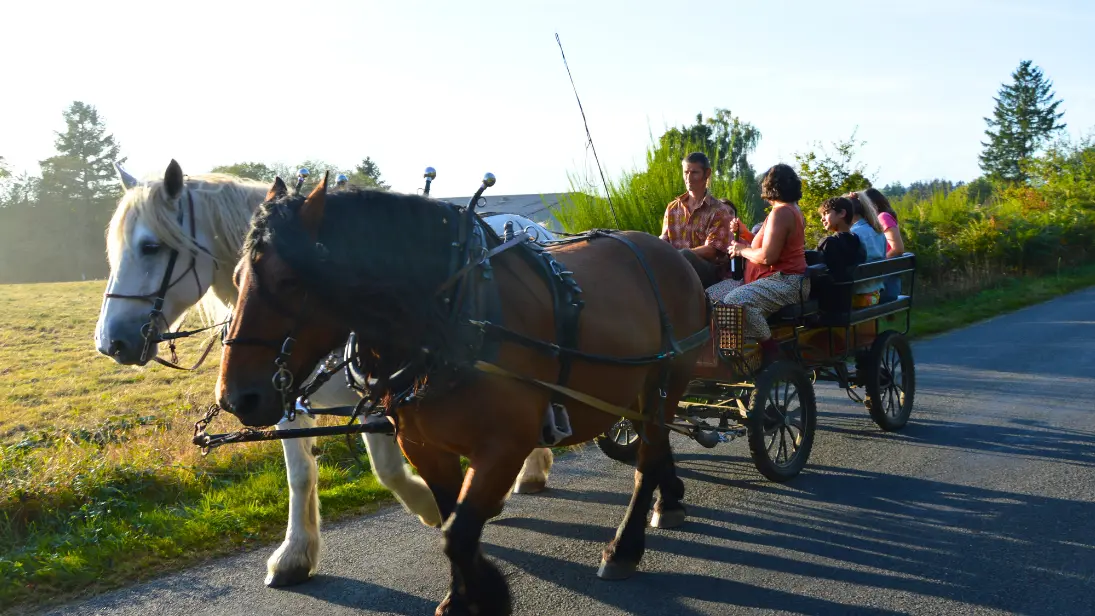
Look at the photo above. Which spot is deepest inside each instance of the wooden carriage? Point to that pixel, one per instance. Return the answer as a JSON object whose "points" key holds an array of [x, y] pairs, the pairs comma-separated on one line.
{"points": [[859, 348]]}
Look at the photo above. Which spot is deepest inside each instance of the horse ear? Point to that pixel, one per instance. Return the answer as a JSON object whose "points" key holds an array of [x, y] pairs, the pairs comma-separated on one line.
{"points": [[278, 190], [311, 213], [128, 181], [173, 180]]}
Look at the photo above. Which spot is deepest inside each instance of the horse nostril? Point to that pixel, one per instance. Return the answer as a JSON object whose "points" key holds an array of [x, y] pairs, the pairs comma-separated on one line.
{"points": [[246, 404], [116, 348]]}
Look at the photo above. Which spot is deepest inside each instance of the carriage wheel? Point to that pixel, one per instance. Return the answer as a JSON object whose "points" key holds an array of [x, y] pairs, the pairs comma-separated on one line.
{"points": [[781, 422], [620, 442], [890, 380]]}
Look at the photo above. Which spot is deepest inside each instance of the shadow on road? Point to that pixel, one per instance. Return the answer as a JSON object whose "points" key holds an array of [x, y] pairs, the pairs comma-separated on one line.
{"points": [[1023, 438], [673, 588], [359, 594], [935, 539]]}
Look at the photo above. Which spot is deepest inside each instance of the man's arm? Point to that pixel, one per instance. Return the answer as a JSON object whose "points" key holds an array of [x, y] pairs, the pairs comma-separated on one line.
{"points": [[665, 226], [718, 238]]}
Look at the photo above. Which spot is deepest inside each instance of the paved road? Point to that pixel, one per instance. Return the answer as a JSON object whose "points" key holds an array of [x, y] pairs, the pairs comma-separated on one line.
{"points": [[984, 504]]}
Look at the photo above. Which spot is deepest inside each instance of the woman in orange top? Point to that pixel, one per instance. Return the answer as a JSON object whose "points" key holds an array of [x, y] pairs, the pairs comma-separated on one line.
{"points": [[775, 259]]}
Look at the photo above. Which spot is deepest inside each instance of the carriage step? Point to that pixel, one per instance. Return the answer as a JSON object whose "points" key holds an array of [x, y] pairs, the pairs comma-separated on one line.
{"points": [[556, 425]]}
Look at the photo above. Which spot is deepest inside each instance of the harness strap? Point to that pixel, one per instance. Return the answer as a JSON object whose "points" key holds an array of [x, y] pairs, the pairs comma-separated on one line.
{"points": [[555, 350], [600, 405], [201, 360], [669, 343], [517, 239]]}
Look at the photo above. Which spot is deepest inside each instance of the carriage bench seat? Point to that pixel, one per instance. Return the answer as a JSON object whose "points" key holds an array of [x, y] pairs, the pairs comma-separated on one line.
{"points": [[794, 312], [798, 312]]}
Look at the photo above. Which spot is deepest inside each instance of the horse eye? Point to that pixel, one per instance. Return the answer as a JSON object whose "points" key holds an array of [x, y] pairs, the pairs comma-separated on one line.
{"points": [[149, 248]]}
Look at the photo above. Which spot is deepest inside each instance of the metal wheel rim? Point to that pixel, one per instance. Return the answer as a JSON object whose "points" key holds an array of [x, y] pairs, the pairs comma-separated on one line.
{"points": [[892, 382], [623, 433], [783, 424]]}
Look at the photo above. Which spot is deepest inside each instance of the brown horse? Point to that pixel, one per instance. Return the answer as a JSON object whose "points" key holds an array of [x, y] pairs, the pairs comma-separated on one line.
{"points": [[430, 309]]}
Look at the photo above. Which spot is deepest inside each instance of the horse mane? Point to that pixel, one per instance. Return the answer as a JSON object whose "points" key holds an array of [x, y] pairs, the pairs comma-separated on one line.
{"points": [[221, 201], [384, 256]]}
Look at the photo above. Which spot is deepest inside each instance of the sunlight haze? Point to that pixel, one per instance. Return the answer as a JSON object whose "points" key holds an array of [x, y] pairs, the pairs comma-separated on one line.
{"points": [[475, 87]]}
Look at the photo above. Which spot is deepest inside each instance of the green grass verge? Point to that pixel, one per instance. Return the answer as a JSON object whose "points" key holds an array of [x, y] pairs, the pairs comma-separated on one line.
{"points": [[99, 486], [1006, 296]]}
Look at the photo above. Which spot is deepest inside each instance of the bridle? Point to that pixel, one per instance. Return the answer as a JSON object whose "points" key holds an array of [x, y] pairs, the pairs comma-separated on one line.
{"points": [[282, 380], [151, 332]]}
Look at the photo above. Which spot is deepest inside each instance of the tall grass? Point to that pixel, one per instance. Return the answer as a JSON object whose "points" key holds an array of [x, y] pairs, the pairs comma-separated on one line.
{"points": [[639, 196]]}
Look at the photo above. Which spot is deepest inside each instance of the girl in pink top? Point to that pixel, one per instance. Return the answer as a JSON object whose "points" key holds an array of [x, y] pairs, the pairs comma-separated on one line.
{"points": [[895, 246]]}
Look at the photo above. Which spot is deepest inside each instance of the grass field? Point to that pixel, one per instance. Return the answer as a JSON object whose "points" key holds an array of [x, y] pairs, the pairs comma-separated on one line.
{"points": [[99, 483], [100, 486]]}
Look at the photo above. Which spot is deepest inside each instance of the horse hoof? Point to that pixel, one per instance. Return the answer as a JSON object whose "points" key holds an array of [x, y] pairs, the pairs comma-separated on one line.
{"points": [[616, 570], [668, 519], [531, 487], [291, 577]]}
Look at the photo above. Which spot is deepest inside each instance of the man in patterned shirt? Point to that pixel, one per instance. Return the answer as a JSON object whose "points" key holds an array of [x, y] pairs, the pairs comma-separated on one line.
{"points": [[697, 224]]}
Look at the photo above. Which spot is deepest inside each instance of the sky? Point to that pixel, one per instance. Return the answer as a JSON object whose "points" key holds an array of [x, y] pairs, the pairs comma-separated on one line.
{"points": [[470, 87]]}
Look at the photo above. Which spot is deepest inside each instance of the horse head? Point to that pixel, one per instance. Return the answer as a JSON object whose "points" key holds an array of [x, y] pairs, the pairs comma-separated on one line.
{"points": [[277, 334], [166, 245]]}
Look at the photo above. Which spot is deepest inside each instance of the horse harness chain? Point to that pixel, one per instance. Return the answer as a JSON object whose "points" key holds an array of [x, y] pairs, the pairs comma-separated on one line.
{"points": [[151, 334]]}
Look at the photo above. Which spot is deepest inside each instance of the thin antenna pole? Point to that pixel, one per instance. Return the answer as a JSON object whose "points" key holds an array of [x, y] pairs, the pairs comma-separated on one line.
{"points": [[608, 195]]}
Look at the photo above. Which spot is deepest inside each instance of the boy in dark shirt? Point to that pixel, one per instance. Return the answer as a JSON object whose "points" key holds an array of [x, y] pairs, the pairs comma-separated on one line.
{"points": [[842, 251]]}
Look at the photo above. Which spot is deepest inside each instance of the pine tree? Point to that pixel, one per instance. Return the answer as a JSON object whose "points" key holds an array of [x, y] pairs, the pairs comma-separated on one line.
{"points": [[367, 175], [1025, 117], [80, 186], [82, 171]]}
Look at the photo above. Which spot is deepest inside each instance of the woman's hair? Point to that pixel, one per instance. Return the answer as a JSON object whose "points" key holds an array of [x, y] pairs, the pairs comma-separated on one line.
{"points": [[865, 209], [730, 204], [881, 203], [781, 184], [838, 204]]}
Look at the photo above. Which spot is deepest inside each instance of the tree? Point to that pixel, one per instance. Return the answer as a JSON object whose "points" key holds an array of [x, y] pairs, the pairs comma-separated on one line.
{"points": [[4, 171], [828, 175], [727, 140], [80, 185], [364, 175], [894, 190], [367, 175], [82, 171], [1025, 117], [254, 171]]}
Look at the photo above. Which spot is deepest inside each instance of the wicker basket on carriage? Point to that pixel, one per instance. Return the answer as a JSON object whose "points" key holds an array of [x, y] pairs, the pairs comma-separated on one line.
{"points": [[727, 349]]}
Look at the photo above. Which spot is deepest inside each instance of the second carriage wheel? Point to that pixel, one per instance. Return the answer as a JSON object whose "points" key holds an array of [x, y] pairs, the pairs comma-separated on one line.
{"points": [[889, 378]]}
